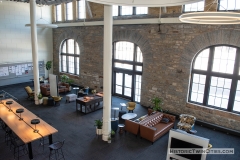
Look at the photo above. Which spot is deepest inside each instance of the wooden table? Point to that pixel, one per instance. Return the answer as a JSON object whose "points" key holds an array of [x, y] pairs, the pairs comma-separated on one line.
{"points": [[23, 128], [89, 103]]}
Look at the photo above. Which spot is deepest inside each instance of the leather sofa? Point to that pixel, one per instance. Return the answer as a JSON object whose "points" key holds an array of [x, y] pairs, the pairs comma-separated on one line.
{"points": [[62, 87], [151, 127], [45, 89]]}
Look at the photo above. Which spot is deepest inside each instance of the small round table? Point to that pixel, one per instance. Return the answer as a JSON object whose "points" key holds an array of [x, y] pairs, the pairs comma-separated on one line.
{"points": [[129, 116], [121, 126]]}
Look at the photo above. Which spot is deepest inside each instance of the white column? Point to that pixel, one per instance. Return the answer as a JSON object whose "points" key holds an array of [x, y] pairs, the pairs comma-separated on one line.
{"points": [[107, 71], [34, 48]]}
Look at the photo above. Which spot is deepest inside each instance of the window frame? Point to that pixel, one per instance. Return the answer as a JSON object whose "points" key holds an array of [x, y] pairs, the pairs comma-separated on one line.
{"points": [[193, 11], [218, 8], [66, 7], [78, 8], [134, 10], [75, 56], [235, 76], [56, 10], [133, 72]]}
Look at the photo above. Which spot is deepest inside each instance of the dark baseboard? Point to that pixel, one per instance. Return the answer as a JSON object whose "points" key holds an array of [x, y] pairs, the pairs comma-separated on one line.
{"points": [[213, 126], [218, 128]]}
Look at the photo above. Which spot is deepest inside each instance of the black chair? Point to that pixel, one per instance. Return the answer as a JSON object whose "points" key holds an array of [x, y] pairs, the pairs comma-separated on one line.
{"points": [[56, 150], [19, 147]]}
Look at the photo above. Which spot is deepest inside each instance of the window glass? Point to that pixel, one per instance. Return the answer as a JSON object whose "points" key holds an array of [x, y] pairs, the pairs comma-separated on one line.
{"points": [[229, 5], [139, 68], [224, 58], [201, 62], [70, 48], [236, 106], [123, 66], [198, 86], [194, 7], [138, 82], [127, 10], [139, 55], [219, 92], [64, 62], [124, 51], [69, 11], [141, 10], [115, 10], [58, 12], [81, 9]]}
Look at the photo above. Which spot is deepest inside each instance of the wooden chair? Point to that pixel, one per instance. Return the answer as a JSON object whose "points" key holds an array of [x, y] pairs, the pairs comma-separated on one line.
{"points": [[131, 106], [30, 92]]}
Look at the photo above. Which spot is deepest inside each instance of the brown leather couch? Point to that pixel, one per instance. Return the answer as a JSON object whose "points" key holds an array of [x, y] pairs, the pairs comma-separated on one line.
{"points": [[62, 87], [45, 89], [150, 127]]}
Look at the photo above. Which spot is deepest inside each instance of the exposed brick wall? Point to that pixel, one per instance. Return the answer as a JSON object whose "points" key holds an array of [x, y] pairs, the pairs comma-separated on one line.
{"points": [[167, 58]]}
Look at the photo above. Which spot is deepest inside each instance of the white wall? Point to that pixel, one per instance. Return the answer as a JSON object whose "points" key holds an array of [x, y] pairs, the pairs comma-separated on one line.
{"points": [[15, 38]]}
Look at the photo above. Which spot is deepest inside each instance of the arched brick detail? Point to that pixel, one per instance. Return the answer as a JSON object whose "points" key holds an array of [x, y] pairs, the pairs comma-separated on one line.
{"points": [[134, 37], [67, 34], [225, 37]]}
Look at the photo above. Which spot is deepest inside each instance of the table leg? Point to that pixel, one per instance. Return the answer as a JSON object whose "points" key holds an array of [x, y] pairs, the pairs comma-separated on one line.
{"points": [[76, 106], [50, 139], [30, 154]]}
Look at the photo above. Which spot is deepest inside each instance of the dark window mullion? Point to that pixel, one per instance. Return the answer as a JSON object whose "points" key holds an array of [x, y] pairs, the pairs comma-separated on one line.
{"points": [[134, 10], [208, 76], [234, 82], [119, 10], [75, 59]]}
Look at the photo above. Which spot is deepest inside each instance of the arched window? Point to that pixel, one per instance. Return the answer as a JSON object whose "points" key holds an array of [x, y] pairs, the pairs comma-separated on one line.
{"points": [[127, 70], [215, 78], [69, 57]]}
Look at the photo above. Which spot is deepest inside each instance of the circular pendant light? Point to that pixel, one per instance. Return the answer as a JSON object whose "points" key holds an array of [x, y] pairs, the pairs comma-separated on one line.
{"points": [[217, 18]]}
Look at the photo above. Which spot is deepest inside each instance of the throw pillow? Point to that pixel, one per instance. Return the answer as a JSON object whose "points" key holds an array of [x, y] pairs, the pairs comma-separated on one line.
{"points": [[165, 120]]}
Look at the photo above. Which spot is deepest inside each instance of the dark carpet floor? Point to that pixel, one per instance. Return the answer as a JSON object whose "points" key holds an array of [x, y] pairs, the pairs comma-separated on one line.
{"points": [[81, 142]]}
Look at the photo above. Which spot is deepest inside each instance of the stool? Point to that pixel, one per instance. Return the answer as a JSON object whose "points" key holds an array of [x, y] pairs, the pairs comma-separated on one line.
{"points": [[45, 101], [55, 147], [71, 97], [121, 126], [120, 116]]}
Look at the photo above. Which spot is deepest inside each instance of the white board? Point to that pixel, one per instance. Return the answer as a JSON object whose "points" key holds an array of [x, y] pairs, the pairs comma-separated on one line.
{"points": [[53, 80]]}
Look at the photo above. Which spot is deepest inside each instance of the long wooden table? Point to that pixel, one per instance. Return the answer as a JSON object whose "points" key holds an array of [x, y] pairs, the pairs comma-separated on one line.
{"points": [[90, 104], [23, 128]]}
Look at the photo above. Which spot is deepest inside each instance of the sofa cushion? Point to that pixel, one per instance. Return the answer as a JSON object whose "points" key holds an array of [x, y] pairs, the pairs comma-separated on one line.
{"points": [[154, 120], [162, 127]]}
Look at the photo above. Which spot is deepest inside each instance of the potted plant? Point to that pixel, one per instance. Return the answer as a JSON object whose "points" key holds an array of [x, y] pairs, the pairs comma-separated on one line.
{"points": [[48, 66], [40, 98], [112, 133], [98, 124], [109, 138], [158, 102], [70, 82], [64, 78]]}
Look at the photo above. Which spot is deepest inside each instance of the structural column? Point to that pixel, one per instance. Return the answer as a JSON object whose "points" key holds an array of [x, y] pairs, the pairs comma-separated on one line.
{"points": [[107, 71], [34, 48]]}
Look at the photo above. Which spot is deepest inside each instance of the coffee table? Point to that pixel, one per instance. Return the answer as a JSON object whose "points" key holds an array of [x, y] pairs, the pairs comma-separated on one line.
{"points": [[129, 116]]}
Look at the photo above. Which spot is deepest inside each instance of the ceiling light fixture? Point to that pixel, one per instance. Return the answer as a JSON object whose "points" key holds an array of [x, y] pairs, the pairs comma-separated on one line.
{"points": [[215, 18], [43, 25]]}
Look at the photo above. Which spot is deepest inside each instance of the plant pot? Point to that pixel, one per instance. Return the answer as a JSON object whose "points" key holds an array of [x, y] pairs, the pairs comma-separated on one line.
{"points": [[98, 131], [109, 141], [40, 101]]}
